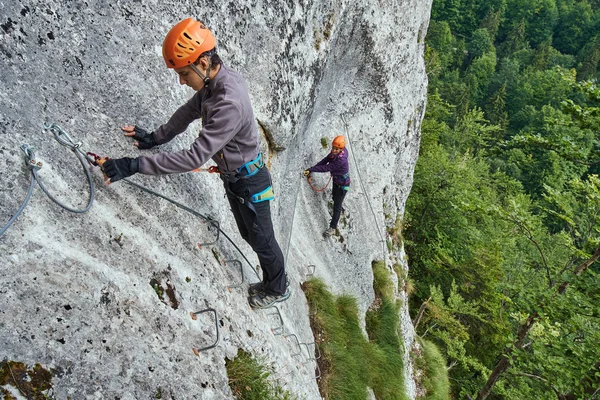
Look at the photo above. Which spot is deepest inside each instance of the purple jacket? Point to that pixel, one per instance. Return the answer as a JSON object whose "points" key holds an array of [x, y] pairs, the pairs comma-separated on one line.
{"points": [[337, 166]]}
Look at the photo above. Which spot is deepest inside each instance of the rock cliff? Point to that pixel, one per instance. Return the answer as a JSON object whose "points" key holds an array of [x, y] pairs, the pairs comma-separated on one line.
{"points": [[81, 292]]}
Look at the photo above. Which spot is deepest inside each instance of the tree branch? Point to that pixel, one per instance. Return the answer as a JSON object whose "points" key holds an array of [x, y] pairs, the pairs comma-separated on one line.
{"points": [[524, 330], [420, 313]]}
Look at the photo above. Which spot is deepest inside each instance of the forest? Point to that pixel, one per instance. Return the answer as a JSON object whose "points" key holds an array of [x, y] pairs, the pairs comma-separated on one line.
{"points": [[502, 227]]}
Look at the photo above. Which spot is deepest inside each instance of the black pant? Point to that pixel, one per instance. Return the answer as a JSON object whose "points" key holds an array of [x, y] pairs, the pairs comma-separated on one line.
{"points": [[255, 226], [338, 198]]}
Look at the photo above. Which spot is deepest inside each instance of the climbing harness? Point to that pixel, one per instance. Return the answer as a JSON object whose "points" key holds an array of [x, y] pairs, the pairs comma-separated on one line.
{"points": [[246, 171], [265, 195], [251, 167]]}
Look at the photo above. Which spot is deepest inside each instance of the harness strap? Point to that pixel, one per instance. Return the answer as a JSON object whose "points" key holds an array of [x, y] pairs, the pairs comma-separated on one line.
{"points": [[265, 195], [239, 198], [251, 167]]}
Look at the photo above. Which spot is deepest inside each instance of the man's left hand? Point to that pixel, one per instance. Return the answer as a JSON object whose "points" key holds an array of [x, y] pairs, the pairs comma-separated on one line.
{"points": [[117, 169]]}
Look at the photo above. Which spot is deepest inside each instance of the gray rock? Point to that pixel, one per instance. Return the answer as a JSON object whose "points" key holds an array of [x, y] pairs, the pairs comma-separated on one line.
{"points": [[76, 288]]}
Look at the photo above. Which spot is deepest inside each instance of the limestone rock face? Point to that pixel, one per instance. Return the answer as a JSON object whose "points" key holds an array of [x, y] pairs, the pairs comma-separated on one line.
{"points": [[103, 298]]}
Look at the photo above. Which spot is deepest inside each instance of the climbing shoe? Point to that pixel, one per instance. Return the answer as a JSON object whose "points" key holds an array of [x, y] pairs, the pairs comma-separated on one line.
{"points": [[255, 288], [264, 300], [329, 232]]}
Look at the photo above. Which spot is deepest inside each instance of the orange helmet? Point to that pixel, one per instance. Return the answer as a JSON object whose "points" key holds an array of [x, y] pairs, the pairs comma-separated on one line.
{"points": [[339, 141], [185, 42]]}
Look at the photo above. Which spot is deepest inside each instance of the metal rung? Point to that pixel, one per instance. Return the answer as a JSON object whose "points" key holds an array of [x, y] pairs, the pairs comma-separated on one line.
{"points": [[312, 357], [279, 329], [297, 342], [216, 224], [194, 317], [239, 264]]}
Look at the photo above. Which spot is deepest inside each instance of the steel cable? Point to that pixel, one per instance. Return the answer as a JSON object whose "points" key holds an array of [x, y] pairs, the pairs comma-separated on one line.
{"points": [[363, 186]]}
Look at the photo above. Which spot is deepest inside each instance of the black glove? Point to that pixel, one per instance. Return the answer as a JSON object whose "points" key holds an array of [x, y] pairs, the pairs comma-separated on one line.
{"points": [[145, 139], [120, 168]]}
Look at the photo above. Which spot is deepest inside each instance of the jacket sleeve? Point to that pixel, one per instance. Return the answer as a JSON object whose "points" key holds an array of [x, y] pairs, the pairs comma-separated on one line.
{"points": [[322, 166], [179, 121], [223, 124]]}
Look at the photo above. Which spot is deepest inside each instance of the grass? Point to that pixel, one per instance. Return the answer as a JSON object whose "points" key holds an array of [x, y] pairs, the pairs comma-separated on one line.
{"points": [[435, 375], [351, 363], [249, 379]]}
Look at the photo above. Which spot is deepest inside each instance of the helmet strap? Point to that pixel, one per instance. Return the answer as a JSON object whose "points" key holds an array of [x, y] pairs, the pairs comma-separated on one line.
{"points": [[206, 78]]}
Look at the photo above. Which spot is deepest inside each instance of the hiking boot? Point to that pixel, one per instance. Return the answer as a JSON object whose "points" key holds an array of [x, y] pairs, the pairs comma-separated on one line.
{"points": [[254, 288], [329, 232], [264, 300]]}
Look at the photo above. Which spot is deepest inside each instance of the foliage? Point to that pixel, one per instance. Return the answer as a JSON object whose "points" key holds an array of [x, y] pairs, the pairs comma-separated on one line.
{"points": [[504, 204], [435, 379], [350, 363], [249, 379]]}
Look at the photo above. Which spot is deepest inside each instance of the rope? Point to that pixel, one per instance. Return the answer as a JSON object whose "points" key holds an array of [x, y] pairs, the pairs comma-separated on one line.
{"points": [[191, 211], [362, 185], [309, 180]]}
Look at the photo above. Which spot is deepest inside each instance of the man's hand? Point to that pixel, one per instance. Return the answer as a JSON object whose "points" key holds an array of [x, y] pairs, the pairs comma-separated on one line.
{"points": [[145, 140], [115, 170], [306, 172]]}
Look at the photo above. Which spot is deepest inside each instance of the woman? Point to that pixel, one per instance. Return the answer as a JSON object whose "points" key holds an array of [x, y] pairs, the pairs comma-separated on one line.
{"points": [[336, 163]]}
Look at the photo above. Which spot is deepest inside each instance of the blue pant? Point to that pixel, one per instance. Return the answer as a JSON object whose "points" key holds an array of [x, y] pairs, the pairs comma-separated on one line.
{"points": [[256, 227], [338, 198]]}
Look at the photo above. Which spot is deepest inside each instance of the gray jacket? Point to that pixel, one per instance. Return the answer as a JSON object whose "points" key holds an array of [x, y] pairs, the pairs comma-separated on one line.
{"points": [[229, 132]]}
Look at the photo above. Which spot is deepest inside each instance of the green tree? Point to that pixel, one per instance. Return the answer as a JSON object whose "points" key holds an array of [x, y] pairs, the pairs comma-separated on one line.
{"points": [[480, 43], [590, 58], [479, 76], [559, 313], [491, 22], [538, 17], [572, 30]]}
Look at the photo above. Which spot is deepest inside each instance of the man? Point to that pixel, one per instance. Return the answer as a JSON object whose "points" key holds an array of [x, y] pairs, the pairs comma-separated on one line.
{"points": [[229, 136], [336, 163]]}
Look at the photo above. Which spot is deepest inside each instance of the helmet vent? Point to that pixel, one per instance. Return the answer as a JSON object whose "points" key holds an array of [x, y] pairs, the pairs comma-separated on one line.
{"points": [[185, 42]]}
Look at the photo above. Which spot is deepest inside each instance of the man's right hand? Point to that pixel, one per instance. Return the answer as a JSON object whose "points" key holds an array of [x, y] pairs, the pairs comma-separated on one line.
{"points": [[145, 140]]}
